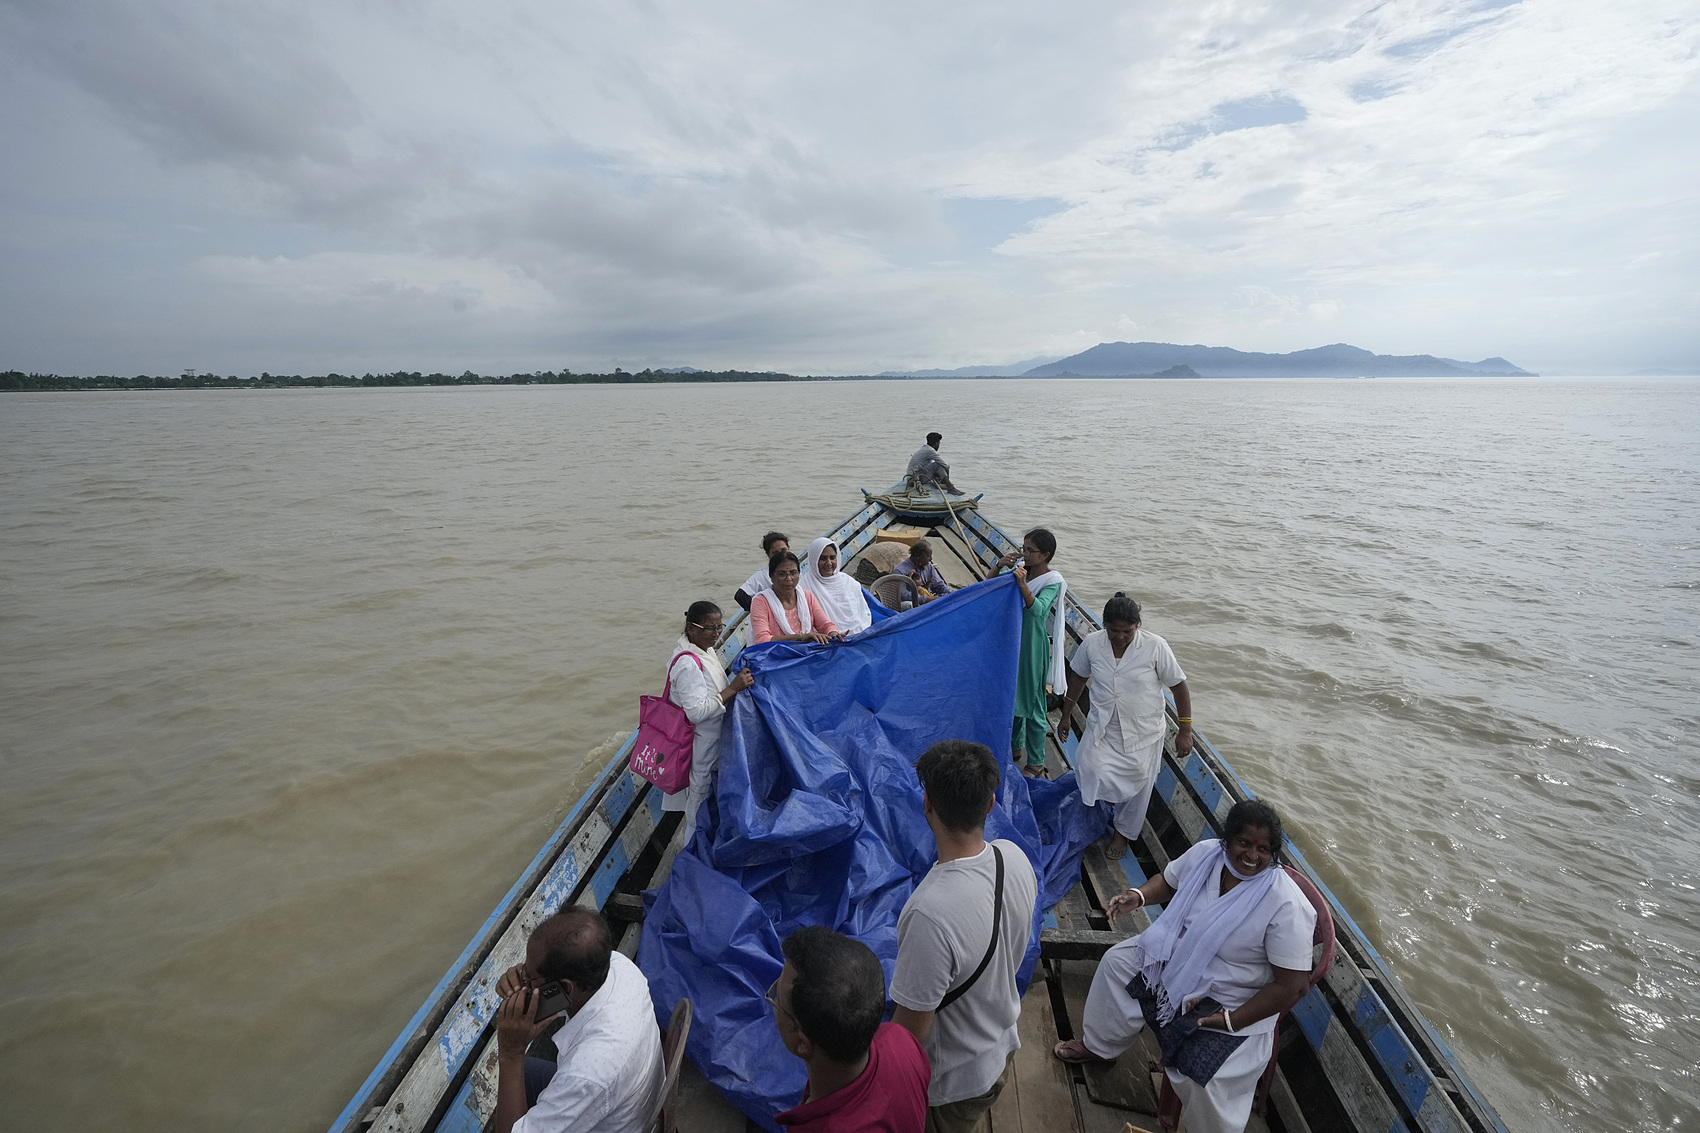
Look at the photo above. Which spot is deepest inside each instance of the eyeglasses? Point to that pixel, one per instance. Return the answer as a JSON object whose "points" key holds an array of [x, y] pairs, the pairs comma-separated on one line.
{"points": [[772, 997], [709, 629]]}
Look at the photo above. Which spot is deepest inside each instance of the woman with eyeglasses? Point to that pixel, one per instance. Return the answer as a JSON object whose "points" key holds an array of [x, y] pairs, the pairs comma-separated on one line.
{"points": [[697, 683], [1043, 593], [788, 612]]}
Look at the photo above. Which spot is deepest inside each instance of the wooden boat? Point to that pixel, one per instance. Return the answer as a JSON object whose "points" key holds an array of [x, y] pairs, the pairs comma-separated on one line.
{"points": [[1355, 1055]]}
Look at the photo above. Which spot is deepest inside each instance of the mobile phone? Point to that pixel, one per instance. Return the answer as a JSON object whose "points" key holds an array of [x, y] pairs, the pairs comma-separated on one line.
{"points": [[1203, 1009], [551, 1000]]}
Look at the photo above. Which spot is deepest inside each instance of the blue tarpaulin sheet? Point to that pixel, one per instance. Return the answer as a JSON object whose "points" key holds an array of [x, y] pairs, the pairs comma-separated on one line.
{"points": [[817, 820]]}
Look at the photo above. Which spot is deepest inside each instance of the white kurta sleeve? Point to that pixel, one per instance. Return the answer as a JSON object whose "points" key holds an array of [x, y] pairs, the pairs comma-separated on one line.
{"points": [[1168, 669], [1287, 940], [1081, 663], [694, 692]]}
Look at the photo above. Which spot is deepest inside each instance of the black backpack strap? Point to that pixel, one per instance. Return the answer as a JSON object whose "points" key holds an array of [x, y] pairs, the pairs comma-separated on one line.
{"points": [[960, 990]]}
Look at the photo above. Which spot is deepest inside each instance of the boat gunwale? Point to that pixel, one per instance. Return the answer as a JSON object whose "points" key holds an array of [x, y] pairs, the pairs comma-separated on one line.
{"points": [[1437, 1061], [415, 1036], [1392, 996]]}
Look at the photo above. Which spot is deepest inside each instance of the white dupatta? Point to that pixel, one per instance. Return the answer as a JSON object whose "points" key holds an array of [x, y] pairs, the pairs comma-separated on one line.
{"points": [[782, 624], [840, 596], [1059, 673], [1178, 975]]}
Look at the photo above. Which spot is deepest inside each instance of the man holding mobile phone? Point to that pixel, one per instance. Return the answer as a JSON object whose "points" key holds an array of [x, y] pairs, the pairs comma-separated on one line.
{"points": [[607, 1074]]}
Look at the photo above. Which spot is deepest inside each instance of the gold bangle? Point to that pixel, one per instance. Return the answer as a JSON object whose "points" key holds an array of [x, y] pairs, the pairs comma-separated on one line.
{"points": [[1183, 720]]}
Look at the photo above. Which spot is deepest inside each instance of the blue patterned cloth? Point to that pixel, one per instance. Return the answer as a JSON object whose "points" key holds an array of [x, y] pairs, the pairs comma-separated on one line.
{"points": [[1187, 1049]]}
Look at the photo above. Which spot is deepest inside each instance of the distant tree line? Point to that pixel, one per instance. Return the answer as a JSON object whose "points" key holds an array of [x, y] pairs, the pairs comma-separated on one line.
{"points": [[18, 380]]}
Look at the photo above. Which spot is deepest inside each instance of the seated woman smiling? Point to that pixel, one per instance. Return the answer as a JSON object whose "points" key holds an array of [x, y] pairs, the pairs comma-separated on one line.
{"points": [[841, 596], [1230, 953], [788, 612]]}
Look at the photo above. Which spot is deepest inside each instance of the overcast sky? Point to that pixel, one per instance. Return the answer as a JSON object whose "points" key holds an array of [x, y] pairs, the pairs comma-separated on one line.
{"points": [[383, 184]]}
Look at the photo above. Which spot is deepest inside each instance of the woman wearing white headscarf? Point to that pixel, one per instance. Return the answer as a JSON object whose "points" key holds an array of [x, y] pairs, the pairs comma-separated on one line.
{"points": [[1230, 953], [841, 596], [697, 683]]}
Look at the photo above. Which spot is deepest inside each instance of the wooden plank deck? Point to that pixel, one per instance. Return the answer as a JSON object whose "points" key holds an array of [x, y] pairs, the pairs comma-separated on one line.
{"points": [[1044, 1094]]}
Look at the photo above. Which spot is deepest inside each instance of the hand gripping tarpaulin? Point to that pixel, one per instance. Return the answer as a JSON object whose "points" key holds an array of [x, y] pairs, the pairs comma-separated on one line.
{"points": [[817, 819]]}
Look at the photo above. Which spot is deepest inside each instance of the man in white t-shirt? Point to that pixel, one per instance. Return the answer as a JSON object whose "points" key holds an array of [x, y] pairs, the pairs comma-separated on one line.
{"points": [[954, 983]]}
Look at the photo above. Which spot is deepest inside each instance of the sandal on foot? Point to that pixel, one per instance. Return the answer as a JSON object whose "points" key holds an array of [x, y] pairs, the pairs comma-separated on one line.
{"points": [[1034, 772], [1074, 1052]]}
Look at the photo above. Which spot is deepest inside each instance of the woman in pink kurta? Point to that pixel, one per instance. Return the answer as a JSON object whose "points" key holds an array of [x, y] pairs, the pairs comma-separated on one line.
{"points": [[787, 613]]}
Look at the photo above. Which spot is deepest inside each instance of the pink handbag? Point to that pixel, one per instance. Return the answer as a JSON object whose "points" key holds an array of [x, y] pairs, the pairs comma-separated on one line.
{"points": [[665, 738]]}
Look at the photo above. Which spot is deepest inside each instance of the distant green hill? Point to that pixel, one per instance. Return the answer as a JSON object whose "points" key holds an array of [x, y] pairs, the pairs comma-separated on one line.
{"points": [[1115, 359]]}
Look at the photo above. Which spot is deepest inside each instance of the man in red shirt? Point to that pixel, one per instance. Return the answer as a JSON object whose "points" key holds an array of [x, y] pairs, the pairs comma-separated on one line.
{"points": [[864, 1076]]}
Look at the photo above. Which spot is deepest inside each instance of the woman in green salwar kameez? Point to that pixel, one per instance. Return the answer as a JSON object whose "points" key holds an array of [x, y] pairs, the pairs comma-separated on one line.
{"points": [[1042, 591]]}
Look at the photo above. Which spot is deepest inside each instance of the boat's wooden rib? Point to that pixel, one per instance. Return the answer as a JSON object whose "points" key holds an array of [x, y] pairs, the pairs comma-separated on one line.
{"points": [[1287, 1111], [1360, 1058]]}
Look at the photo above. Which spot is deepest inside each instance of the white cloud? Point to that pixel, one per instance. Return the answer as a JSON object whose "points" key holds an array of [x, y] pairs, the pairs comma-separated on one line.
{"points": [[379, 279], [522, 183]]}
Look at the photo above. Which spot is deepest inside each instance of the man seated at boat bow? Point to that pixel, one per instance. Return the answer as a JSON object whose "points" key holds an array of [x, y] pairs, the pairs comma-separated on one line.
{"points": [[926, 468], [607, 1074]]}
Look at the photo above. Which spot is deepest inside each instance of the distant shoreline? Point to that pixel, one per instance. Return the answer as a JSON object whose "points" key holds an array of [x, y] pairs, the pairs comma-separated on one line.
{"points": [[14, 380], [18, 381]]}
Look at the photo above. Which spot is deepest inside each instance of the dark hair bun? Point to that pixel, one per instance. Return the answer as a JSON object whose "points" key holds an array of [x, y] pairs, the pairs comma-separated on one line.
{"points": [[1121, 609]]}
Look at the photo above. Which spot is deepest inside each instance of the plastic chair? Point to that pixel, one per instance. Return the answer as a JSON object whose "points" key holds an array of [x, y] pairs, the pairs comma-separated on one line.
{"points": [[1322, 946], [890, 589], [672, 1061]]}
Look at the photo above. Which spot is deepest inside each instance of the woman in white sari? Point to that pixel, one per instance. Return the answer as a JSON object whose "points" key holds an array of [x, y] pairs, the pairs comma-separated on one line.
{"points": [[1230, 953], [841, 596], [1122, 746], [697, 683]]}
